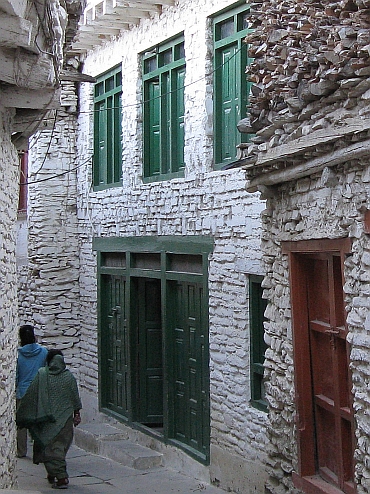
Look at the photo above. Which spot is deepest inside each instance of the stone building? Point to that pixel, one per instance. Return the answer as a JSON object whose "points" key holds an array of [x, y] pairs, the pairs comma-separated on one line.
{"points": [[310, 160], [33, 37], [144, 258]]}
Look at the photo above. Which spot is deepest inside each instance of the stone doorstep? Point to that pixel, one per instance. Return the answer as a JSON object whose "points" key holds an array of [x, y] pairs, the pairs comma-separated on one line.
{"points": [[108, 441]]}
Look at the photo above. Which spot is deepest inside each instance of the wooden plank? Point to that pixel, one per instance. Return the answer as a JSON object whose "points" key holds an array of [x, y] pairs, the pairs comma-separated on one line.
{"points": [[16, 97], [14, 7], [310, 141], [26, 69], [355, 151], [15, 31]]}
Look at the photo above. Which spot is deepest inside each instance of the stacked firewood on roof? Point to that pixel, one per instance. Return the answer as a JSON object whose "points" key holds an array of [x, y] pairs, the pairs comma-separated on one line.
{"points": [[310, 70]]}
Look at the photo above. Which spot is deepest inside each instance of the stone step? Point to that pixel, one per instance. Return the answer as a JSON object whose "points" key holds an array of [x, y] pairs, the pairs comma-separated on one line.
{"points": [[110, 442]]}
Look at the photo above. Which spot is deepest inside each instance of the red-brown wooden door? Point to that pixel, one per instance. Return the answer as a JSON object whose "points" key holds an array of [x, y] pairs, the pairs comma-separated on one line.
{"points": [[330, 371], [325, 416]]}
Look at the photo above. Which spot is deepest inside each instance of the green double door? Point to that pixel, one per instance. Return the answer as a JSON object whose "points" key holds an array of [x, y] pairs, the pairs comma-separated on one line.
{"points": [[154, 357]]}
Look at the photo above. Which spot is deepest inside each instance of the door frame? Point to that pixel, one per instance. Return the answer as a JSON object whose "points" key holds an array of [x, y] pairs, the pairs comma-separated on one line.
{"points": [[306, 478], [116, 256]]}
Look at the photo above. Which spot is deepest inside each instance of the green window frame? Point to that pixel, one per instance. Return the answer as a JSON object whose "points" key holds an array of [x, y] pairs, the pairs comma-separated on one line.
{"points": [[164, 110], [231, 88], [257, 307], [107, 170]]}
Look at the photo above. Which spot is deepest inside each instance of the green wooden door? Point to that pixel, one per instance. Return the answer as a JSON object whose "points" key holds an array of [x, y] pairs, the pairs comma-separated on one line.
{"points": [[188, 375], [114, 345], [149, 361]]}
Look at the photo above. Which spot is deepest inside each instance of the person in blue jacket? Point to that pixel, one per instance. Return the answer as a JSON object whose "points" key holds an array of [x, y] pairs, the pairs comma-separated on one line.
{"points": [[31, 356]]}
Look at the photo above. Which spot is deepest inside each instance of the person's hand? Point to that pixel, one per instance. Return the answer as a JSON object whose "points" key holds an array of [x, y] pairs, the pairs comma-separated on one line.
{"points": [[76, 419]]}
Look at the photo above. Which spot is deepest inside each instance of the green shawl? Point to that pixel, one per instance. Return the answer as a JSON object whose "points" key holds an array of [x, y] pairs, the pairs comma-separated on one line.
{"points": [[49, 402]]}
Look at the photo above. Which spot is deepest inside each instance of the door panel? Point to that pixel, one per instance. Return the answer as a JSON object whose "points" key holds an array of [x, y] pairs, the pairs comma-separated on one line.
{"points": [[114, 363], [149, 368], [188, 382]]}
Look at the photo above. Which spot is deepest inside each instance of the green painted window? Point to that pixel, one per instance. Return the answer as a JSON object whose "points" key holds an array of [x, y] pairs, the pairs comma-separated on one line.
{"points": [[230, 82], [164, 78], [108, 129], [257, 306]]}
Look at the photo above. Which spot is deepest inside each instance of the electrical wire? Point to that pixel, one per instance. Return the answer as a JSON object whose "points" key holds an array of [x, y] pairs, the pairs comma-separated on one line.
{"points": [[180, 88], [49, 143], [112, 108], [57, 175]]}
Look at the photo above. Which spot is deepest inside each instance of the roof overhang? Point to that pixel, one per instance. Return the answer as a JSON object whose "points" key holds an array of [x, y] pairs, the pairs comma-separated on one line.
{"points": [[104, 19]]}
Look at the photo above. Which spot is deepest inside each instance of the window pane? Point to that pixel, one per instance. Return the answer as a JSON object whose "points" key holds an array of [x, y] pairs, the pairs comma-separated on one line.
{"points": [[227, 28], [119, 79], [243, 21], [166, 57], [109, 84], [99, 89], [150, 65], [179, 51]]}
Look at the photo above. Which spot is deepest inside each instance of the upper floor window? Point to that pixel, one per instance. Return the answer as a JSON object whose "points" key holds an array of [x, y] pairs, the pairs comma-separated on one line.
{"points": [[230, 82], [164, 77], [108, 129]]}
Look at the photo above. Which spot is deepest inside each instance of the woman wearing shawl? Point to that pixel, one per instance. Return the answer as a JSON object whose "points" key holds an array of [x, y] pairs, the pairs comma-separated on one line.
{"points": [[49, 409], [31, 356]]}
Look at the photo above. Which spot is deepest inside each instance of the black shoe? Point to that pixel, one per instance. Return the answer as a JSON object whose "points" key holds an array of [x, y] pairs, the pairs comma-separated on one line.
{"points": [[51, 479], [61, 484]]}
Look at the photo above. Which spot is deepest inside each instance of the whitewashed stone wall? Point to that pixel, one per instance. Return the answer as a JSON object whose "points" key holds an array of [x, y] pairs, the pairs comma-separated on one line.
{"points": [[49, 284], [326, 205], [8, 300], [205, 202]]}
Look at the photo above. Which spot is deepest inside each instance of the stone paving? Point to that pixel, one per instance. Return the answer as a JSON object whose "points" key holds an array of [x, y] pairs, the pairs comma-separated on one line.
{"points": [[97, 475]]}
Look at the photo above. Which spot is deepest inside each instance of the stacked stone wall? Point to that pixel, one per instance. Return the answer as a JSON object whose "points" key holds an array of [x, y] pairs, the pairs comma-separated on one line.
{"points": [[313, 208], [49, 283], [8, 300]]}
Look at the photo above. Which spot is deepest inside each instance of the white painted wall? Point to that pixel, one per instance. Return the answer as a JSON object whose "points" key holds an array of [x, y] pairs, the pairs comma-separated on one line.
{"points": [[8, 300]]}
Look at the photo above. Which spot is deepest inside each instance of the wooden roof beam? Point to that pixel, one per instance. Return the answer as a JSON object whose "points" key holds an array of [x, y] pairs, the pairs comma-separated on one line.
{"points": [[15, 31], [355, 151], [16, 97], [14, 7], [25, 69]]}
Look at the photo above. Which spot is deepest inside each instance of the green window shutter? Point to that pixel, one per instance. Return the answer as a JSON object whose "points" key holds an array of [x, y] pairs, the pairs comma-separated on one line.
{"points": [[230, 82], [164, 77], [166, 124], [108, 129], [153, 132], [179, 122], [100, 142], [229, 104], [257, 307]]}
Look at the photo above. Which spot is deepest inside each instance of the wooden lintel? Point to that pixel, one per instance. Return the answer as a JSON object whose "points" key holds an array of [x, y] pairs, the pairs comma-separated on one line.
{"points": [[354, 151], [25, 69], [16, 97], [75, 76], [312, 140], [15, 31]]}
